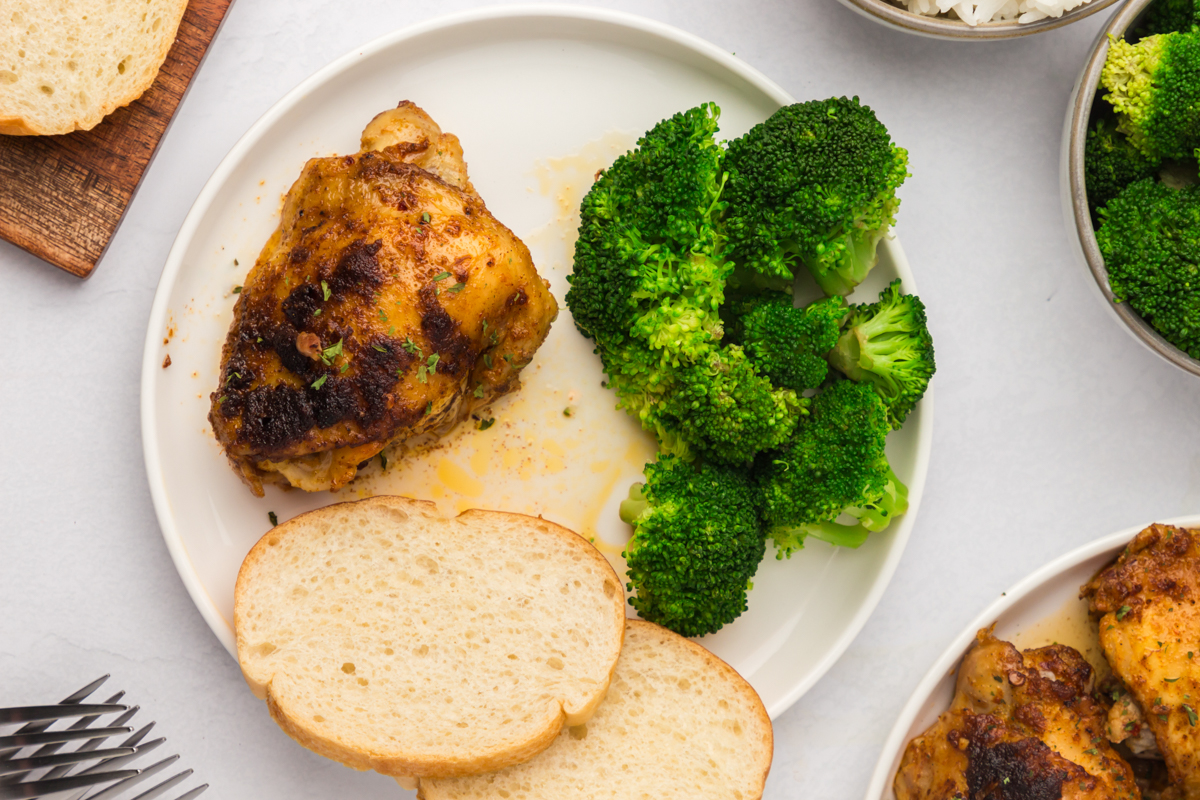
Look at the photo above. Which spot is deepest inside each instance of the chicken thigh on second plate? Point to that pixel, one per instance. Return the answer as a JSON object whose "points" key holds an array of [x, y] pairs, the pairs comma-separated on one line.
{"points": [[1023, 726], [1150, 631]]}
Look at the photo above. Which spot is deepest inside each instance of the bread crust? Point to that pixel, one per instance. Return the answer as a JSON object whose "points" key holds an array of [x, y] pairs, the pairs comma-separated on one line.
{"points": [[590, 766], [396, 762], [17, 125]]}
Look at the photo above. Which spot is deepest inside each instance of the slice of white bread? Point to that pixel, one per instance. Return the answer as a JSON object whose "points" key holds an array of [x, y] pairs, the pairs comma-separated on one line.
{"points": [[677, 723], [66, 64], [388, 637]]}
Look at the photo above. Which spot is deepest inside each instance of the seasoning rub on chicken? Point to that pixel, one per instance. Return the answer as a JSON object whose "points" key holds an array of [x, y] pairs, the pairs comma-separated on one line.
{"points": [[1023, 726], [389, 303], [1149, 622]]}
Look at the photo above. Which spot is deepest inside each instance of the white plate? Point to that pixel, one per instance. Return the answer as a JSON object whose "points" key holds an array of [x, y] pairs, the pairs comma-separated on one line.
{"points": [[1021, 615], [541, 97]]}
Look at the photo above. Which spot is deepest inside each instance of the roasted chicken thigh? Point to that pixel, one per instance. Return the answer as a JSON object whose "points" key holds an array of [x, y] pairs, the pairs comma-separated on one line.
{"points": [[1150, 631], [1023, 726], [389, 303]]}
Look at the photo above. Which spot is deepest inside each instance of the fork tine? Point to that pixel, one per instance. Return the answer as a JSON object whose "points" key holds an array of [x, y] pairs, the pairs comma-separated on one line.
{"points": [[11, 716], [118, 789], [41, 762], [119, 760], [194, 793], [169, 783], [20, 740], [79, 724], [74, 697], [17, 791], [91, 744]]}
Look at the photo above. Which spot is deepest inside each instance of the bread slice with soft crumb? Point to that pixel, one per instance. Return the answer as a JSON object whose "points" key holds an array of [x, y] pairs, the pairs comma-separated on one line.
{"points": [[677, 723], [388, 637], [65, 65]]}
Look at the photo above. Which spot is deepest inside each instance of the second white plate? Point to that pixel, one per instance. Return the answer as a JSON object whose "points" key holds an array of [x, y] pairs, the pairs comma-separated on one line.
{"points": [[1043, 608], [541, 98]]}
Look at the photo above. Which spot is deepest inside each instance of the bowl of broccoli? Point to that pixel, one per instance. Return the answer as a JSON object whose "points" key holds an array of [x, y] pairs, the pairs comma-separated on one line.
{"points": [[1130, 179]]}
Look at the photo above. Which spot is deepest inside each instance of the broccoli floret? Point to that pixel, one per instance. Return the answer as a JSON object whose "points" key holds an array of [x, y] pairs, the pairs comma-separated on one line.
{"points": [[1110, 163], [887, 345], [1168, 16], [833, 464], [697, 542], [648, 261], [724, 410], [814, 184], [1154, 86], [1150, 240], [786, 343]]}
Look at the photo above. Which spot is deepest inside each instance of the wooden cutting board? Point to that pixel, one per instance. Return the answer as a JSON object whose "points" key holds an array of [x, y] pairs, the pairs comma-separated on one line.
{"points": [[62, 197]]}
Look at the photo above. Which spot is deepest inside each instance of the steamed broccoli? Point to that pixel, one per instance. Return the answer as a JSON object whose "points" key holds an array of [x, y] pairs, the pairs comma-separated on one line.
{"points": [[723, 409], [1169, 16], [648, 284], [648, 261], [814, 184], [1110, 163], [887, 345], [1150, 240], [1154, 86], [834, 464], [786, 343], [697, 542]]}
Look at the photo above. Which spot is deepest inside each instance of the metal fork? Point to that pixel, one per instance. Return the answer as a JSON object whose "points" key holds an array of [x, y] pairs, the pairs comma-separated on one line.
{"points": [[103, 765]]}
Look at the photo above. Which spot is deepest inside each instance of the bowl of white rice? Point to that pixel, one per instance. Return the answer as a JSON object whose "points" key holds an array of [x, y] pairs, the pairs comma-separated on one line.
{"points": [[976, 19]]}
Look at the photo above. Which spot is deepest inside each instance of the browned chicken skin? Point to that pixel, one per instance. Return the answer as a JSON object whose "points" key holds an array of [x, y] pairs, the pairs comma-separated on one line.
{"points": [[389, 303], [1150, 631], [1023, 726]]}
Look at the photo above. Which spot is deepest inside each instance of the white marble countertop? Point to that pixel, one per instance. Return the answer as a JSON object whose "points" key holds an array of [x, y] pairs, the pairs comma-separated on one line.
{"points": [[1053, 426]]}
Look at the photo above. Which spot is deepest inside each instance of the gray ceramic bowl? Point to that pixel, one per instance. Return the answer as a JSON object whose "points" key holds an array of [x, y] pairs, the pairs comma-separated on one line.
{"points": [[1074, 190], [944, 28]]}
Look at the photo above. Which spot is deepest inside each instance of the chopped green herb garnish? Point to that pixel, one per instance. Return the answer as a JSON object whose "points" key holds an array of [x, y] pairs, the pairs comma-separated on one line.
{"points": [[274, 519], [1170, 680], [392, 330], [421, 374], [568, 411], [1123, 611], [432, 361], [325, 289], [458, 287], [331, 352], [317, 313], [237, 290], [429, 408], [382, 315], [441, 276], [479, 390], [484, 327], [345, 366], [487, 360], [1191, 714], [425, 217], [259, 340], [382, 461], [319, 382], [484, 424], [410, 346], [1091, 751], [508, 357], [380, 349]]}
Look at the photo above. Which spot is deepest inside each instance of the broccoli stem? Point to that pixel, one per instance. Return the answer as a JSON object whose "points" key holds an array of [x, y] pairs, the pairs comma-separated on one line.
{"points": [[635, 505]]}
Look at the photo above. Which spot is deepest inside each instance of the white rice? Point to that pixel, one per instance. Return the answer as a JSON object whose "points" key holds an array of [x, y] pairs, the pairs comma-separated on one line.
{"points": [[974, 13]]}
